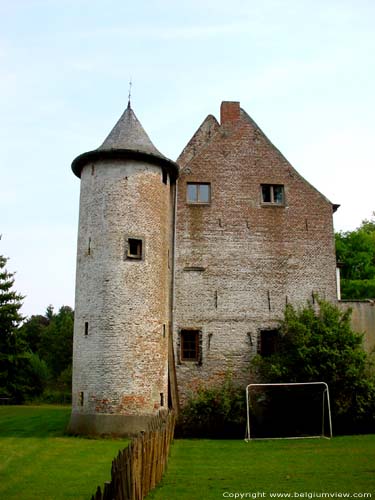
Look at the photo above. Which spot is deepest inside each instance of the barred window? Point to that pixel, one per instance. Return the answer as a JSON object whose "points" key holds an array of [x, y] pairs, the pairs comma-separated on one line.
{"points": [[189, 345]]}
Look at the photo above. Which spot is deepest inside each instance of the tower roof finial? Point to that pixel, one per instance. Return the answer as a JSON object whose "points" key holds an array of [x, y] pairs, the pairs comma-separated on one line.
{"points": [[130, 92]]}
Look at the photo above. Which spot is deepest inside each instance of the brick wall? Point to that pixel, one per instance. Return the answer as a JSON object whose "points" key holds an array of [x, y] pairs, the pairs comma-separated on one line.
{"points": [[239, 261]]}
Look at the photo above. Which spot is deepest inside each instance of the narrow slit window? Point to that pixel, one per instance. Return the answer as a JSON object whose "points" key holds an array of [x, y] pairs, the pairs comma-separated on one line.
{"points": [[134, 249], [272, 194], [198, 193], [161, 399], [81, 398], [86, 328]]}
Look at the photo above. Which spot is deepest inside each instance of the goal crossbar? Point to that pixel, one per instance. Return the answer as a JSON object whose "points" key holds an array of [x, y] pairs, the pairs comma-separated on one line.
{"points": [[325, 395]]}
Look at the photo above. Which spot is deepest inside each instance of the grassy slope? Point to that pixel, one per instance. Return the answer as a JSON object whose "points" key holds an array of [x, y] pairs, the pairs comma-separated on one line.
{"points": [[38, 462], [205, 469]]}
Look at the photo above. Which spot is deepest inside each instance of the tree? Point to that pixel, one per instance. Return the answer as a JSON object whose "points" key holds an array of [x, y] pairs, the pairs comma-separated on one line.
{"points": [[50, 337], [22, 373], [57, 341], [10, 348], [355, 251], [320, 345]]}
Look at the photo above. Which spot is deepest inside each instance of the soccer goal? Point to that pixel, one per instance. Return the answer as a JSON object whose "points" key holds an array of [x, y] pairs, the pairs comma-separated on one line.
{"points": [[288, 411]]}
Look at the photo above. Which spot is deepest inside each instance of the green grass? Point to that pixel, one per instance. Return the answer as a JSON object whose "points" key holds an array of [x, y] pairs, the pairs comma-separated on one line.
{"points": [[205, 469], [37, 461]]}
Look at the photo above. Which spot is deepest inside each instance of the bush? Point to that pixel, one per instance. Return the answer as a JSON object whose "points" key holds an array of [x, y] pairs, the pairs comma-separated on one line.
{"points": [[320, 345], [214, 413]]}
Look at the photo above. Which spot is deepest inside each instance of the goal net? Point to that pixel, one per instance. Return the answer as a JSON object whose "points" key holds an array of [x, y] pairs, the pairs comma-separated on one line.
{"points": [[290, 410]]}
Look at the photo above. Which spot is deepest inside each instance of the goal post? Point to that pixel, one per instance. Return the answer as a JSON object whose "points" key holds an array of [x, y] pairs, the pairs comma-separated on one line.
{"points": [[286, 410]]}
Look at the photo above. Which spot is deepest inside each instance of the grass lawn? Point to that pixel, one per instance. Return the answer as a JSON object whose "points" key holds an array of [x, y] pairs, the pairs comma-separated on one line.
{"points": [[38, 462], [209, 469]]}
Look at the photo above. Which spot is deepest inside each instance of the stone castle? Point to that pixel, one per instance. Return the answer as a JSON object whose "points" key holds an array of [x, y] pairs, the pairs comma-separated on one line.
{"points": [[184, 268]]}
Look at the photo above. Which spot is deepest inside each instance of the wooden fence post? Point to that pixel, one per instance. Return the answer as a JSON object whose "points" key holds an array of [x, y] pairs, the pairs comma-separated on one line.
{"points": [[139, 468]]}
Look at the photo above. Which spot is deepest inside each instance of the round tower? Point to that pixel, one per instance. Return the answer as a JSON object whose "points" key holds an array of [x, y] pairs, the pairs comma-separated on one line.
{"points": [[123, 282]]}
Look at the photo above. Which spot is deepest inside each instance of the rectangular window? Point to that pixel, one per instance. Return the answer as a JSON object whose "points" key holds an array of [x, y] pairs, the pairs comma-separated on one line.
{"points": [[198, 192], [272, 194], [268, 342], [189, 345], [86, 328], [134, 248], [81, 398]]}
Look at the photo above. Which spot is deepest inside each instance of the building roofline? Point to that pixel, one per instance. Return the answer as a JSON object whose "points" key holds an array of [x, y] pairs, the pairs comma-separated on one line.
{"points": [[124, 154]]}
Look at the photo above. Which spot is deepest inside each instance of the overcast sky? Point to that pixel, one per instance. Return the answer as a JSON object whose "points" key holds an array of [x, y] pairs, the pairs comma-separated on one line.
{"points": [[303, 70]]}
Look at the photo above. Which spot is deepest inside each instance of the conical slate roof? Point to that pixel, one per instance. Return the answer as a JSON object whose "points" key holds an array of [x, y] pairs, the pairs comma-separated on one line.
{"points": [[128, 133], [127, 140]]}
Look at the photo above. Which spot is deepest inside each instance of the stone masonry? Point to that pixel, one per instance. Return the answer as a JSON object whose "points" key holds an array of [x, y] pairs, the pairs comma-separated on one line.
{"points": [[122, 311], [240, 260], [214, 260]]}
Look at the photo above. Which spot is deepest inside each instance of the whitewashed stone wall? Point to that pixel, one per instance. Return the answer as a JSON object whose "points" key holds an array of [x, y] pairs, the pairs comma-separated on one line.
{"points": [[121, 365]]}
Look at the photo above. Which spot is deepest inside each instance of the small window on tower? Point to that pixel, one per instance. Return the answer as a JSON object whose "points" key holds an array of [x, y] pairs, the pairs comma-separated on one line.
{"points": [[272, 194], [134, 250], [189, 345], [198, 193]]}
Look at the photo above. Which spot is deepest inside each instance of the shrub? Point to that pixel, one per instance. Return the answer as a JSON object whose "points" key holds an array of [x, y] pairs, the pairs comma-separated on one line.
{"points": [[320, 345], [218, 412]]}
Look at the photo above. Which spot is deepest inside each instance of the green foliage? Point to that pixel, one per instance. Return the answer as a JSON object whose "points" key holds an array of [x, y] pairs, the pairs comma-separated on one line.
{"points": [[37, 355], [10, 305], [51, 338], [321, 346], [12, 351], [357, 289], [355, 251], [218, 412]]}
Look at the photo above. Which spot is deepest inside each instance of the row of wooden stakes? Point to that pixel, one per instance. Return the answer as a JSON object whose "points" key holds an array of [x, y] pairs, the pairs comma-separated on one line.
{"points": [[138, 468]]}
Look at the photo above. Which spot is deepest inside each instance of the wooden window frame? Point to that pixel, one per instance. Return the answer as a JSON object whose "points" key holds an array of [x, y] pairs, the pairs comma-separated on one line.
{"points": [[129, 248], [272, 195], [197, 350], [197, 200]]}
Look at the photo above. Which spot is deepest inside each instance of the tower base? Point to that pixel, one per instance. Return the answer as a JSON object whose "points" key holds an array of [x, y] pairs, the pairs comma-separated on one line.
{"points": [[107, 424]]}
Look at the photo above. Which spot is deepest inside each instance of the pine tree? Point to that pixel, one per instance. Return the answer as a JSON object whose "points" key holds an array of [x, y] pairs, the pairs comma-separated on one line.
{"points": [[10, 319], [10, 305]]}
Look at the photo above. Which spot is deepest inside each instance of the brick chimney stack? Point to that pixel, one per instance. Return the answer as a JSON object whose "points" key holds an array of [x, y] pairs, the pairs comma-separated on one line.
{"points": [[229, 111]]}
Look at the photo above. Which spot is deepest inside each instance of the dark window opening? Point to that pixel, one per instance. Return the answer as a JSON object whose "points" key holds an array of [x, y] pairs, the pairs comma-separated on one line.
{"points": [[164, 176], [164, 331], [81, 398], [198, 193], [161, 399], [273, 194], [134, 248], [189, 345], [86, 328], [268, 342]]}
